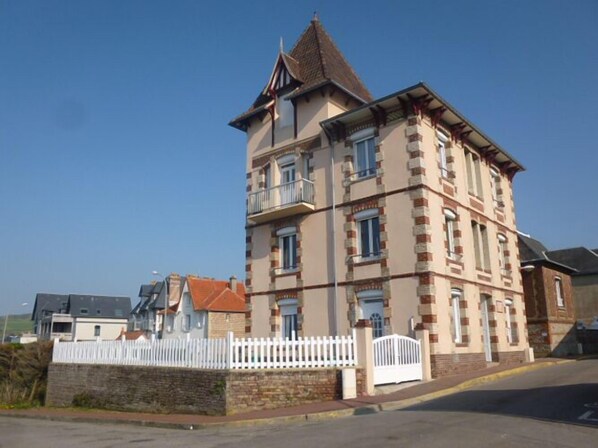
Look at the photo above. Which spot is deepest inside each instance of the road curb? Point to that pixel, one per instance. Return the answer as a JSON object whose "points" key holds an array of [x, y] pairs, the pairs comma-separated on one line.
{"points": [[311, 417]]}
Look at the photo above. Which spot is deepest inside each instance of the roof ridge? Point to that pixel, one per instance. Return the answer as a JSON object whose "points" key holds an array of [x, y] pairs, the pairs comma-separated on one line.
{"points": [[320, 52]]}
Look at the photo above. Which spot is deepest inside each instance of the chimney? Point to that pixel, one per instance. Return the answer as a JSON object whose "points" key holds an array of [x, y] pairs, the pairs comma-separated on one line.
{"points": [[174, 288], [233, 283]]}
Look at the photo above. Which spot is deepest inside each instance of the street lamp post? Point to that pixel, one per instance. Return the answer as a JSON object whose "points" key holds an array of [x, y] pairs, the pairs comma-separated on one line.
{"points": [[156, 273], [6, 322]]}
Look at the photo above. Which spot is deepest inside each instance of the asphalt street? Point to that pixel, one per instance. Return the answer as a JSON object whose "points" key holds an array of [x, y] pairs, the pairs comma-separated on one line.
{"points": [[552, 407]]}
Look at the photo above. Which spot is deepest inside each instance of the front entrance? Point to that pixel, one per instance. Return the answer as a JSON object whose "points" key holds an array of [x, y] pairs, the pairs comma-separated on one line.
{"points": [[397, 359], [373, 310]]}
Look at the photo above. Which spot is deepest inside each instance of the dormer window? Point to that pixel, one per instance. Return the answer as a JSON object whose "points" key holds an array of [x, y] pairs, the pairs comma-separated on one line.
{"points": [[284, 111]]}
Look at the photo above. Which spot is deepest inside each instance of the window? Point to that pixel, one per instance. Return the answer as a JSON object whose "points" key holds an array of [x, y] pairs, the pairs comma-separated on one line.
{"points": [[480, 245], [267, 177], [365, 158], [511, 329], [187, 322], [288, 314], [502, 253], [368, 233], [442, 139], [449, 221], [456, 295], [118, 312], [84, 311], [98, 312], [96, 331], [496, 188], [287, 240], [558, 285], [474, 174], [285, 112]]}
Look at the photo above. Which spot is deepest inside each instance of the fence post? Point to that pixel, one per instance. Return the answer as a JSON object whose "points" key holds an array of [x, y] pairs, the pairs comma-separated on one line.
{"points": [[365, 352], [229, 349], [423, 336], [55, 349]]}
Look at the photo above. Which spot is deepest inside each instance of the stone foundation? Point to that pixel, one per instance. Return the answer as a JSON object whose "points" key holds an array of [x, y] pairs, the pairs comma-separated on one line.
{"points": [[196, 391], [456, 363]]}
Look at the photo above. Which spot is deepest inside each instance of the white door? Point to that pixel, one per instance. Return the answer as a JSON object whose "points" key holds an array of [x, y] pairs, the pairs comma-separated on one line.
{"points": [[397, 359], [373, 311], [486, 328], [287, 184]]}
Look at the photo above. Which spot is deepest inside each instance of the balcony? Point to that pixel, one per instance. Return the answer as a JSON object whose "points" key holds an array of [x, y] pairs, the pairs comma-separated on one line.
{"points": [[281, 201]]}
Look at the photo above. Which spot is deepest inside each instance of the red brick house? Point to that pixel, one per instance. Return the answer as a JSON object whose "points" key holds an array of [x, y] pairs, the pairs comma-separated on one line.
{"points": [[549, 301]]}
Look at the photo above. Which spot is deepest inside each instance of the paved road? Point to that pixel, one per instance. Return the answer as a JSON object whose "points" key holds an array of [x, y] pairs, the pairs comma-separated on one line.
{"points": [[544, 408]]}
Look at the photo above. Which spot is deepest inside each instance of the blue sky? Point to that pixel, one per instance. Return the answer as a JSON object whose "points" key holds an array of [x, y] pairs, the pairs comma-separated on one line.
{"points": [[115, 154]]}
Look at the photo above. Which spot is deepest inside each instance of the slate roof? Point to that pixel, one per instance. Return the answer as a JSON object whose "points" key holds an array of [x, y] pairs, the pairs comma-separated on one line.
{"points": [[532, 251], [314, 62], [215, 295], [52, 303], [99, 306], [582, 259]]}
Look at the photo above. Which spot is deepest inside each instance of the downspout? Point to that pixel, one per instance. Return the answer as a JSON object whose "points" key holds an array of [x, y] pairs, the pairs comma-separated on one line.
{"points": [[335, 279]]}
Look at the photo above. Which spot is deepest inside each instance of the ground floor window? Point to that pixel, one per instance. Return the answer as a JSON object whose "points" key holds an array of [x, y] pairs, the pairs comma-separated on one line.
{"points": [[456, 296], [96, 331], [288, 315]]}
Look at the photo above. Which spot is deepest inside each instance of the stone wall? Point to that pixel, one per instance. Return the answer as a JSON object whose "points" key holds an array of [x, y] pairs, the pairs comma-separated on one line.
{"points": [[452, 364], [211, 392], [220, 323]]}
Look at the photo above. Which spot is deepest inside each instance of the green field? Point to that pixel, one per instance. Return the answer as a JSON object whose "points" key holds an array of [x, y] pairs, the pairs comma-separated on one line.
{"points": [[17, 324]]}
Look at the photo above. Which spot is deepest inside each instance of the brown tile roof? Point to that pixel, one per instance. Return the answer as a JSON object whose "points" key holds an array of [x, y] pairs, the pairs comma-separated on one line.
{"points": [[130, 335], [315, 61], [321, 62], [215, 295]]}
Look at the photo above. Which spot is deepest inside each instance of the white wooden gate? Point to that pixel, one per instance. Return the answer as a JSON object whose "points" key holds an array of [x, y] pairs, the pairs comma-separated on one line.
{"points": [[397, 359]]}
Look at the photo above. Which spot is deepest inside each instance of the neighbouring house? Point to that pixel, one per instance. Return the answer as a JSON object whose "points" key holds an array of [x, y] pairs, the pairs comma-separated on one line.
{"points": [[584, 280], [138, 335], [397, 210], [79, 317], [549, 300], [148, 313], [208, 308]]}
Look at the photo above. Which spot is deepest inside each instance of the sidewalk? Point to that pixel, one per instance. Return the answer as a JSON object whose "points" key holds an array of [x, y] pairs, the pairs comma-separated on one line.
{"points": [[406, 396]]}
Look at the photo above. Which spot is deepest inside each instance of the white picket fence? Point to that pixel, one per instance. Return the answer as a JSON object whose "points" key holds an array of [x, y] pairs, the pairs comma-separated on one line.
{"points": [[229, 353]]}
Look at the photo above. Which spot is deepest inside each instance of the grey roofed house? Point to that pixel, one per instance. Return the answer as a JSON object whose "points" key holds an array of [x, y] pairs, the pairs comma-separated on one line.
{"points": [[99, 306], [48, 303], [583, 260], [532, 251]]}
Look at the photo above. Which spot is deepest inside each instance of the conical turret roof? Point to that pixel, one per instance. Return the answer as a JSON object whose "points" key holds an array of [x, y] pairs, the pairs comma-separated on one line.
{"points": [[314, 62]]}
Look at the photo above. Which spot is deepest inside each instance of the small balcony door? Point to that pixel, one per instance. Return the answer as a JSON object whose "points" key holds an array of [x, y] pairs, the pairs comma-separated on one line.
{"points": [[287, 184]]}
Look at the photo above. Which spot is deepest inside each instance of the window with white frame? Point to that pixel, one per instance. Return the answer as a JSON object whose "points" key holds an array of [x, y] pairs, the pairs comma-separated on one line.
{"points": [[449, 221], [442, 140], [364, 147], [502, 253], [368, 233], [96, 331], [456, 296], [558, 285], [511, 330], [474, 174], [288, 316], [496, 188], [287, 242]]}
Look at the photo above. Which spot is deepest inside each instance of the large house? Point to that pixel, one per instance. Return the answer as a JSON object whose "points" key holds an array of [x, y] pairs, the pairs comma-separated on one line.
{"points": [[77, 317], [147, 315], [208, 308], [397, 210]]}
